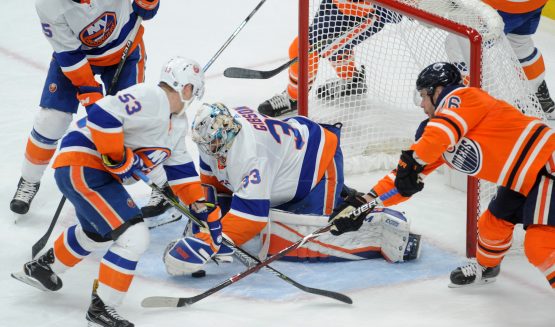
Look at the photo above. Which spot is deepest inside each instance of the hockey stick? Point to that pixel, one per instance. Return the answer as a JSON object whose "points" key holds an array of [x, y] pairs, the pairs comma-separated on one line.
{"points": [[166, 301], [39, 245], [243, 255], [237, 72], [237, 30]]}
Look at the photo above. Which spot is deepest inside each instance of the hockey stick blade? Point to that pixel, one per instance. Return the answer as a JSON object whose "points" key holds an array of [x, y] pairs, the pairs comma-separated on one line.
{"points": [[163, 302], [237, 72]]}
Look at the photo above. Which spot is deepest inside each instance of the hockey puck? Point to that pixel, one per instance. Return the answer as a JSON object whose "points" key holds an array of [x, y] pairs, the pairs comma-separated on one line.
{"points": [[199, 274]]}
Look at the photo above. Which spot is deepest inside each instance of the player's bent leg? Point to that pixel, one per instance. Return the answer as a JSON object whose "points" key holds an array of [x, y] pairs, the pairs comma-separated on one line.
{"points": [[117, 269], [539, 247], [49, 126]]}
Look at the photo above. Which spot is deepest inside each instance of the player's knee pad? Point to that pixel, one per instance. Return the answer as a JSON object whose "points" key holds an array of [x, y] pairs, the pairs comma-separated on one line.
{"points": [[539, 246], [51, 123], [135, 240], [522, 45]]}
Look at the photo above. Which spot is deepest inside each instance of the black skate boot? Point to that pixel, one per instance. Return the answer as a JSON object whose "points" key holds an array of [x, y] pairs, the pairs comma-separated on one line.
{"points": [[23, 196], [412, 251], [102, 315], [548, 106], [158, 211], [38, 273], [278, 105], [157, 205], [344, 87], [467, 275]]}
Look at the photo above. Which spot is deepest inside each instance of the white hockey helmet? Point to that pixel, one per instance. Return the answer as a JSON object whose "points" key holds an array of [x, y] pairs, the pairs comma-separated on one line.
{"points": [[214, 129], [179, 71]]}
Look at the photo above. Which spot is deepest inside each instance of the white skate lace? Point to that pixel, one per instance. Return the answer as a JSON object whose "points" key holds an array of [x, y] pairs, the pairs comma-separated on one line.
{"points": [[26, 191], [280, 101], [113, 313], [471, 270], [155, 198]]}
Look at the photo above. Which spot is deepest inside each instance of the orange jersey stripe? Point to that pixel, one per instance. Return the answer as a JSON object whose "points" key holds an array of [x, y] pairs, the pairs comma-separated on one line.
{"points": [[113, 278], [358, 9], [212, 180], [331, 184], [114, 58], [328, 152], [95, 199], [76, 158]]}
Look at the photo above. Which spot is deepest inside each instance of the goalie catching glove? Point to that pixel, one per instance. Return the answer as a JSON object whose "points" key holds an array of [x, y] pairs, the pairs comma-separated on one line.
{"points": [[344, 217], [408, 181], [191, 253]]}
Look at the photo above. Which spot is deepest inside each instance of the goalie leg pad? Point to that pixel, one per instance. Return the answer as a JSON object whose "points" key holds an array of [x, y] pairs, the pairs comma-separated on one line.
{"points": [[395, 235]]}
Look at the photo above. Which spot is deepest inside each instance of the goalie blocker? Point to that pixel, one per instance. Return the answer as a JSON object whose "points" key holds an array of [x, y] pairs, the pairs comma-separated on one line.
{"points": [[383, 234]]}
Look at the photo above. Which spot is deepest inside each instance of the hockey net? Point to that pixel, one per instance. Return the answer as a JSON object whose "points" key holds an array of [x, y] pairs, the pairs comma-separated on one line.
{"points": [[379, 115]]}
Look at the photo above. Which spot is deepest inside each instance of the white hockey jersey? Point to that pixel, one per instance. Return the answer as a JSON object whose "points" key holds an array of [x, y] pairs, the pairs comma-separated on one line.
{"points": [[139, 118], [83, 34], [271, 162]]}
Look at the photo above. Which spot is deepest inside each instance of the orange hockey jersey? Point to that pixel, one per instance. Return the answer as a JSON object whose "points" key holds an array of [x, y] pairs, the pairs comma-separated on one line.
{"points": [[516, 7], [481, 136]]}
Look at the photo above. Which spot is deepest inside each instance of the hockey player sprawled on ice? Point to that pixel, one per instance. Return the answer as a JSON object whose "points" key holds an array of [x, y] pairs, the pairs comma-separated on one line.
{"points": [[259, 165]]}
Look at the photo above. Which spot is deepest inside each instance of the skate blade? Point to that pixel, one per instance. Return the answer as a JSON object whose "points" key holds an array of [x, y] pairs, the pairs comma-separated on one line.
{"points": [[481, 282], [164, 219], [20, 276]]}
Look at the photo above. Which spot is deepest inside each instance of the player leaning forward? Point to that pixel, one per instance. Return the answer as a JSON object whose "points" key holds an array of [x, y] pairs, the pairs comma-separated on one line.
{"points": [[137, 129], [295, 165], [479, 135]]}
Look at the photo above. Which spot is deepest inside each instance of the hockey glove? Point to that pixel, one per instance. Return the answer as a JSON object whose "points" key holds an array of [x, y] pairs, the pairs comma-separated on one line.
{"points": [[88, 95], [146, 8], [408, 181], [342, 217], [124, 169], [211, 215]]}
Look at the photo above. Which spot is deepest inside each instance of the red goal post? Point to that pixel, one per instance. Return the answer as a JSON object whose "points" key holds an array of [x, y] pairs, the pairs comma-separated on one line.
{"points": [[471, 20]]}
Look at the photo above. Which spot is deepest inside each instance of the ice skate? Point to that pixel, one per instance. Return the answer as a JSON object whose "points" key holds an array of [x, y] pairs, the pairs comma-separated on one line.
{"points": [[102, 315], [23, 196], [547, 104], [472, 274], [38, 273], [412, 251], [278, 105], [344, 87]]}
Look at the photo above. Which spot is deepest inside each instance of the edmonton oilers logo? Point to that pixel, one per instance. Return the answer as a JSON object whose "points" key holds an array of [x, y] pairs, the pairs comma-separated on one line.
{"points": [[52, 87], [94, 34], [465, 156]]}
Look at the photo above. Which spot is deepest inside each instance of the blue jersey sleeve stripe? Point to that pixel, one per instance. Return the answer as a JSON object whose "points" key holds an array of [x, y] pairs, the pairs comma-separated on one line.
{"points": [[102, 118], [76, 138], [69, 58], [176, 172], [260, 208]]}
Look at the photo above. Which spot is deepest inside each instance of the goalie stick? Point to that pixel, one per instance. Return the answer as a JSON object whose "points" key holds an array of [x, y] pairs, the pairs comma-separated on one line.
{"points": [[41, 243], [244, 256], [237, 72]]}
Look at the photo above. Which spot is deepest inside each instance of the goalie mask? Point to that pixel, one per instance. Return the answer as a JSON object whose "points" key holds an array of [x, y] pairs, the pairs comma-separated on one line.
{"points": [[214, 130], [178, 72]]}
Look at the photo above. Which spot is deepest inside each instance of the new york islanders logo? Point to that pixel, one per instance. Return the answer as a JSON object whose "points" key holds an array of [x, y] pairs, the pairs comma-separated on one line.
{"points": [[97, 32]]}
